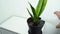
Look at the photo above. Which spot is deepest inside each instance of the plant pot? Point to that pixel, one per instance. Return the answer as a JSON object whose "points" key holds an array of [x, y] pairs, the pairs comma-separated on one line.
{"points": [[35, 29]]}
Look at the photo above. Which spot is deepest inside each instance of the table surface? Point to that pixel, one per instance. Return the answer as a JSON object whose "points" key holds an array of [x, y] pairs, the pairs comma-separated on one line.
{"points": [[19, 25], [6, 31]]}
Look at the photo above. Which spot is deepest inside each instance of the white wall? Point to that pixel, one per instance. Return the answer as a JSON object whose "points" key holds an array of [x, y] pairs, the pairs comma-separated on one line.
{"points": [[18, 8], [52, 6]]}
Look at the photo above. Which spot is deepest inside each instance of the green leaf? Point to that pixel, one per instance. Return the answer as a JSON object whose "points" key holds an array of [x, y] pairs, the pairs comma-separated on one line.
{"points": [[43, 7], [29, 13], [38, 11], [34, 13], [33, 9], [34, 19], [38, 8]]}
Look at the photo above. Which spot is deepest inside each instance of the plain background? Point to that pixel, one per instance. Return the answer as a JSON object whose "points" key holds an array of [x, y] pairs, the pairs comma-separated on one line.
{"points": [[18, 8]]}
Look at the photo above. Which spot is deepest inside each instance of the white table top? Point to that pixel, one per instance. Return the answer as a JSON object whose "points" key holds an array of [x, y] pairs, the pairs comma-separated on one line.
{"points": [[19, 25]]}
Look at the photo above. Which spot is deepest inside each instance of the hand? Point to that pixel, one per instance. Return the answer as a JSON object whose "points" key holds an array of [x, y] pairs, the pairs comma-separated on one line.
{"points": [[57, 13], [58, 25]]}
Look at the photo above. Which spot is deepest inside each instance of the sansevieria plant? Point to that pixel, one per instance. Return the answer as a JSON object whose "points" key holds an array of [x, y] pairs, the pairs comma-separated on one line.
{"points": [[36, 12]]}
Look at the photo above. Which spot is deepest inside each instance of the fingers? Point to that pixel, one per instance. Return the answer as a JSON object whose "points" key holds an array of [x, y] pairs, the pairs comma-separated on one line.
{"points": [[58, 25], [57, 14], [54, 12]]}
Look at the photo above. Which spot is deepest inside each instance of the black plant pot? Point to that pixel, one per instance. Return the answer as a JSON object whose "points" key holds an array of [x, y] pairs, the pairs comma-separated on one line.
{"points": [[35, 29]]}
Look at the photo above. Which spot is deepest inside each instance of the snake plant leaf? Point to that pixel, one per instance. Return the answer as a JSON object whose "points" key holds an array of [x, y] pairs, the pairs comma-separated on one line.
{"points": [[29, 13], [38, 8], [33, 9], [34, 14], [43, 6]]}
